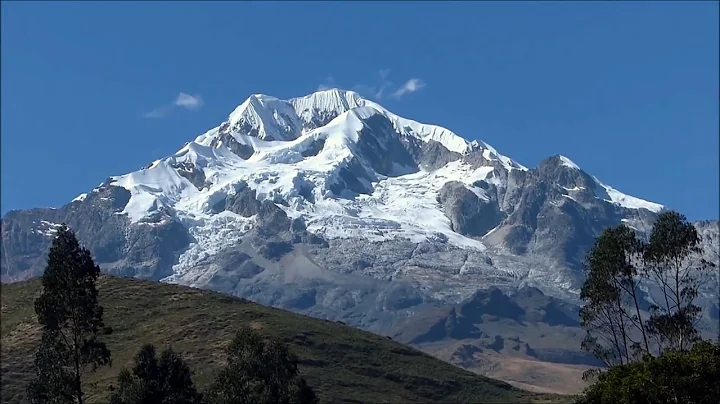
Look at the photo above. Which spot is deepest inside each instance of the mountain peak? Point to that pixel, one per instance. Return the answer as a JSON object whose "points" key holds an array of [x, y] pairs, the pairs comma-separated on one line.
{"points": [[269, 118], [311, 153], [334, 92], [567, 162], [331, 100], [559, 160]]}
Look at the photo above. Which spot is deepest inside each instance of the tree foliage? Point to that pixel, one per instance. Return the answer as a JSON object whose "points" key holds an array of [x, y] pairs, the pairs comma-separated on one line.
{"points": [[259, 371], [71, 320], [621, 326], [611, 315], [671, 258], [153, 380]]}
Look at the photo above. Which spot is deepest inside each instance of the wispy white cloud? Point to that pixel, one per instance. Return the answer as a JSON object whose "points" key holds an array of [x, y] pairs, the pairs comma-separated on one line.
{"points": [[183, 100], [158, 112], [189, 101], [380, 88], [410, 86]]}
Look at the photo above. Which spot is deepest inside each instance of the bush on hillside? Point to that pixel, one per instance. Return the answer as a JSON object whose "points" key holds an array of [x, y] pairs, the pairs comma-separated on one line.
{"points": [[674, 377], [163, 380], [259, 371]]}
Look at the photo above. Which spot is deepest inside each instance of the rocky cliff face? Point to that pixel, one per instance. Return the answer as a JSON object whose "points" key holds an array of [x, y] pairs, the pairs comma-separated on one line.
{"points": [[144, 250]]}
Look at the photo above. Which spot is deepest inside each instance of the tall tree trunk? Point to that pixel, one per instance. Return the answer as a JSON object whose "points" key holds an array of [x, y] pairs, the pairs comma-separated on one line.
{"points": [[677, 297], [640, 322]]}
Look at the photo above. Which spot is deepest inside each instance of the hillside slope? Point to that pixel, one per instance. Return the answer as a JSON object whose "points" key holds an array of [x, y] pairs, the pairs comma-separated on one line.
{"points": [[343, 364]]}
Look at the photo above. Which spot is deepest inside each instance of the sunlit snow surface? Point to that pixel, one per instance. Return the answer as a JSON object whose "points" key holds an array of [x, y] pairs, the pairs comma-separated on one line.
{"points": [[404, 206], [613, 195], [568, 163]]}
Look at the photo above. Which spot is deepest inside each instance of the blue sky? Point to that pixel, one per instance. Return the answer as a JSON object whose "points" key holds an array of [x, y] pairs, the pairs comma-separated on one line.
{"points": [[629, 91]]}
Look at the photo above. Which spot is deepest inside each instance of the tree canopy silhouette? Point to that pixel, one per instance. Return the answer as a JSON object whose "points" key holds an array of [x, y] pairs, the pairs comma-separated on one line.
{"points": [[71, 320], [164, 380], [259, 371]]}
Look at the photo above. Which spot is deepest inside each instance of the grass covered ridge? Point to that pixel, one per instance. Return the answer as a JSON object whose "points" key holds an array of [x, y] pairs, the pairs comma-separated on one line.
{"points": [[341, 363]]}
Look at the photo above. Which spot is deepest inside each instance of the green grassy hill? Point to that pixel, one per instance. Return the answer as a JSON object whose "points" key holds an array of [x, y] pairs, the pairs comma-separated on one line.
{"points": [[343, 364]]}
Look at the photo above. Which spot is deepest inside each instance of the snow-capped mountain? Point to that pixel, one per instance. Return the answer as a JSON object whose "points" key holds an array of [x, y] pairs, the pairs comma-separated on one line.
{"points": [[349, 169], [331, 205]]}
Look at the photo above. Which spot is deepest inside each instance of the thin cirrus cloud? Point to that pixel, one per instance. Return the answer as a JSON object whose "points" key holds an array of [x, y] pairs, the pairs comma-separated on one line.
{"points": [[410, 86], [381, 88], [183, 100]]}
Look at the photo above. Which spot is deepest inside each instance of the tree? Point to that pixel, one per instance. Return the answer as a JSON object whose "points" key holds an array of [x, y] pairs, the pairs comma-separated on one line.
{"points": [[611, 315], [166, 380], [619, 331], [259, 371], [71, 320], [672, 258]]}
